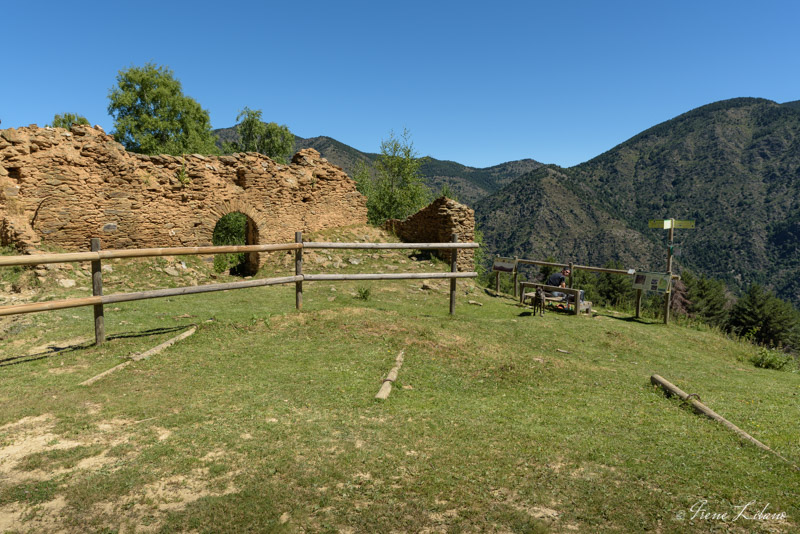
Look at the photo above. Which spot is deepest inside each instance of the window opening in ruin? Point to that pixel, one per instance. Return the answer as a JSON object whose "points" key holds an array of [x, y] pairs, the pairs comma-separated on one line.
{"points": [[236, 228], [15, 173]]}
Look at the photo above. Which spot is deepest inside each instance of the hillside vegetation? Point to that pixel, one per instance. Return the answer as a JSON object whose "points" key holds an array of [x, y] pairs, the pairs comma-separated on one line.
{"points": [[733, 166], [468, 183], [265, 418]]}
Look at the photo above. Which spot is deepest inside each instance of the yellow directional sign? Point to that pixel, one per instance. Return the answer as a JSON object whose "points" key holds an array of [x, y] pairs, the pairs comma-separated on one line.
{"points": [[666, 224]]}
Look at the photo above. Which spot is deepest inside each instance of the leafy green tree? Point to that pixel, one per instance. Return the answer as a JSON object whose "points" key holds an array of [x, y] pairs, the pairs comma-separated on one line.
{"points": [[231, 229], [268, 138], [761, 316], [588, 282], [396, 190], [362, 175], [66, 120], [446, 191], [153, 116]]}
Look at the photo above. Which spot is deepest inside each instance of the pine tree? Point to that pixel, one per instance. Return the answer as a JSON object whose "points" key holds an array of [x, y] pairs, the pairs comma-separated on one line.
{"points": [[761, 316], [708, 300]]}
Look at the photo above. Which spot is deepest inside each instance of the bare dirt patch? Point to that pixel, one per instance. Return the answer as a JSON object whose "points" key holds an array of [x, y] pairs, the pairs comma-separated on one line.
{"points": [[512, 498], [31, 454], [28, 436], [146, 508], [43, 517]]}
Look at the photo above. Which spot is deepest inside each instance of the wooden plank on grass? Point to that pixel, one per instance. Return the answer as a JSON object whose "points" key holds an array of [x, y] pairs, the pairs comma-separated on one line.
{"points": [[386, 387], [701, 408], [143, 356]]}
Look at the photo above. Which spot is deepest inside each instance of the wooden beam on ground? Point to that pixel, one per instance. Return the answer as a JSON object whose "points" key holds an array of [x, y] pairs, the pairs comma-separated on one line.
{"points": [[143, 356], [386, 387], [701, 408]]}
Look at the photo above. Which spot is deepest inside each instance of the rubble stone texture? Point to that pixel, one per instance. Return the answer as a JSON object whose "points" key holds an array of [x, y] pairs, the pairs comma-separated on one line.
{"points": [[435, 224], [60, 188]]}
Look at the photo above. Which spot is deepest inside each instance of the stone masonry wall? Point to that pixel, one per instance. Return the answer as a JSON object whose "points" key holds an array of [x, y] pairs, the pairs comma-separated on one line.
{"points": [[61, 188], [435, 224]]}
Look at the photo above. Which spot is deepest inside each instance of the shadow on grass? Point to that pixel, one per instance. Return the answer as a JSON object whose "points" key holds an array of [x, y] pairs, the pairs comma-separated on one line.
{"points": [[631, 319], [55, 349]]}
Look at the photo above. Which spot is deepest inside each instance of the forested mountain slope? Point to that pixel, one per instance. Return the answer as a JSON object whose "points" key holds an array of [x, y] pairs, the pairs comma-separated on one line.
{"points": [[733, 166]]}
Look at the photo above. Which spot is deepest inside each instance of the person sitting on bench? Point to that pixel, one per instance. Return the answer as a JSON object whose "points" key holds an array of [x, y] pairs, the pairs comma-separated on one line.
{"points": [[559, 279]]}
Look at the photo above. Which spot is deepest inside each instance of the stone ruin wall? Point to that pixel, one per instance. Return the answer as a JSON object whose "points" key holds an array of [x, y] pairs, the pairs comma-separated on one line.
{"points": [[59, 188], [435, 224]]}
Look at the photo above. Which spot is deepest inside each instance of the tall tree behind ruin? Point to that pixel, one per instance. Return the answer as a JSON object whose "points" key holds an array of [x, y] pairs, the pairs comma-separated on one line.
{"points": [[395, 190], [153, 116], [271, 139], [66, 120]]}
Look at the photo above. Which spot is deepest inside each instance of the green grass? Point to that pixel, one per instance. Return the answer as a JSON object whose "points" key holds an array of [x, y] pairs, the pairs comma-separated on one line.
{"points": [[265, 418]]}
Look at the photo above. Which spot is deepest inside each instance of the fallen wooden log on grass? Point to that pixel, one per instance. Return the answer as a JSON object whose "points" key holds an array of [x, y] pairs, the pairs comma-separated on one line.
{"points": [[386, 388], [701, 408], [142, 356]]}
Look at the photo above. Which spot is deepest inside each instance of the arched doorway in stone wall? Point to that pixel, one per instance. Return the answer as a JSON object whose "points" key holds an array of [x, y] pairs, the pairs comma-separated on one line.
{"points": [[236, 228]]}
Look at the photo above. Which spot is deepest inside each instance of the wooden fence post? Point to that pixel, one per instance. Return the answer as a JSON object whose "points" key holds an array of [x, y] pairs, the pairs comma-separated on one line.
{"points": [[453, 269], [497, 280], [298, 271], [97, 291], [638, 303], [515, 276]]}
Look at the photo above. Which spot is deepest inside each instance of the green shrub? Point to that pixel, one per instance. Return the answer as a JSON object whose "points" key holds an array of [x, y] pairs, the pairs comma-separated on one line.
{"points": [[231, 229], [771, 359], [363, 293]]}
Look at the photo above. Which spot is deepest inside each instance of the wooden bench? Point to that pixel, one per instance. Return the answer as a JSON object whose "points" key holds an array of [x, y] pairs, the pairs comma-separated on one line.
{"points": [[577, 306]]}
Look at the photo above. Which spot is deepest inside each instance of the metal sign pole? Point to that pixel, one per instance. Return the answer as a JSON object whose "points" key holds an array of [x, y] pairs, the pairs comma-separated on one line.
{"points": [[668, 293]]}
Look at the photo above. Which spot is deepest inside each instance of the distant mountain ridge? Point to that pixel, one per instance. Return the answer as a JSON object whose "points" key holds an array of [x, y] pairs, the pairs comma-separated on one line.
{"points": [[468, 183], [733, 166]]}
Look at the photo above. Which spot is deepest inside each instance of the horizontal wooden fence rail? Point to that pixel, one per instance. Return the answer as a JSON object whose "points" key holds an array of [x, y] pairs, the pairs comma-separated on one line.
{"points": [[391, 276], [98, 300], [141, 295], [39, 259], [415, 246], [575, 267]]}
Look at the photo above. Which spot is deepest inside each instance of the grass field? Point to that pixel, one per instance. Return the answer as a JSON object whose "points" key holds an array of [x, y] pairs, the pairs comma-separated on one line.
{"points": [[265, 419]]}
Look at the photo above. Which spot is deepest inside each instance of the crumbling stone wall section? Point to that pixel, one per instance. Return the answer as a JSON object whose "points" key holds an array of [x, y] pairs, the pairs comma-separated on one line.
{"points": [[61, 188], [436, 223]]}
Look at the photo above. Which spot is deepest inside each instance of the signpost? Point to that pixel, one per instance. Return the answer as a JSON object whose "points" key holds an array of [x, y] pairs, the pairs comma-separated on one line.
{"points": [[669, 224]]}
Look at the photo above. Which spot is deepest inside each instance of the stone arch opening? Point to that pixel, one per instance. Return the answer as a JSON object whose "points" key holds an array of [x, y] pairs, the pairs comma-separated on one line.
{"points": [[236, 228]]}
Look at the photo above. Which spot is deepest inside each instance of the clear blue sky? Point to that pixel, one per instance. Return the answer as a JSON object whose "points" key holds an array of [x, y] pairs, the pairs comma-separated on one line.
{"points": [[475, 82]]}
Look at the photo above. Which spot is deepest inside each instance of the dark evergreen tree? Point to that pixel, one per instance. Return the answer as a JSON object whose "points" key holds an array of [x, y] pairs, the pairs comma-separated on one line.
{"points": [[614, 289], [761, 316], [708, 299]]}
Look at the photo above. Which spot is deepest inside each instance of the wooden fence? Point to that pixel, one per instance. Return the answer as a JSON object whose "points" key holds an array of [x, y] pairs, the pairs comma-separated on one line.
{"points": [[572, 268], [98, 300]]}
